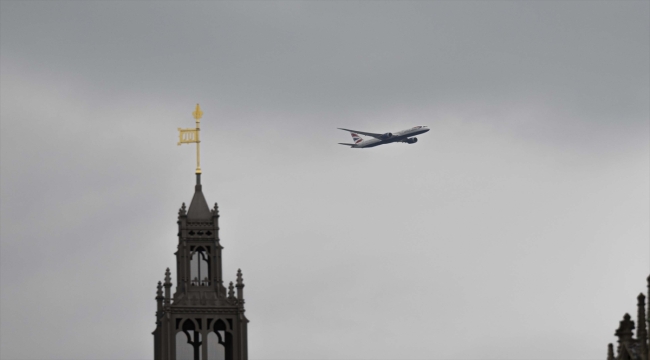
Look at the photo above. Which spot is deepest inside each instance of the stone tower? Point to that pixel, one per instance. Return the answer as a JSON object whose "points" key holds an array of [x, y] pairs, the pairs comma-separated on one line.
{"points": [[629, 347], [202, 320]]}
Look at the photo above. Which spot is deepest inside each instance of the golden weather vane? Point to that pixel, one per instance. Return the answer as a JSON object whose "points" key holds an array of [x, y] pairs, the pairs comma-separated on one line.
{"points": [[188, 136]]}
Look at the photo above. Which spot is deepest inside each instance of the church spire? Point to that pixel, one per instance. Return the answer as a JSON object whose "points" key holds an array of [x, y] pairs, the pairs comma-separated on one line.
{"points": [[199, 209], [201, 308]]}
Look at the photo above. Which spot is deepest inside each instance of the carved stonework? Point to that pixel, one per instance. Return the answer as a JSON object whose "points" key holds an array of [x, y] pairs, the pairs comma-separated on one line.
{"points": [[200, 305], [630, 347]]}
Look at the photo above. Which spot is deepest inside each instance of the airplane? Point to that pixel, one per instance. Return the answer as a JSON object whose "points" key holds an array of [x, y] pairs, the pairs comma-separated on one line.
{"points": [[403, 136]]}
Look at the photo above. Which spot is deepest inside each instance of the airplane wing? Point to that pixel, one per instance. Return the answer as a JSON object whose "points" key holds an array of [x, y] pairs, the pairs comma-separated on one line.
{"points": [[376, 136]]}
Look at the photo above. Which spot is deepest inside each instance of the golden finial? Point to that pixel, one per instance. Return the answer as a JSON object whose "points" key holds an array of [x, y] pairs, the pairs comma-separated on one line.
{"points": [[188, 136], [197, 113]]}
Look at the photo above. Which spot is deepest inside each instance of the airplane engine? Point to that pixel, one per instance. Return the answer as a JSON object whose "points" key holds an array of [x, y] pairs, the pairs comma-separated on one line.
{"points": [[387, 135], [412, 140]]}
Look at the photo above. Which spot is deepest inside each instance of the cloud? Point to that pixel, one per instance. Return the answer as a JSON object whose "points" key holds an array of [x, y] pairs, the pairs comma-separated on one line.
{"points": [[513, 215]]}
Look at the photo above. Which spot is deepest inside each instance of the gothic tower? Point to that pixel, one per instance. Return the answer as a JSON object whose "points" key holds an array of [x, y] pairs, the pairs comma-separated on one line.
{"points": [[202, 320]]}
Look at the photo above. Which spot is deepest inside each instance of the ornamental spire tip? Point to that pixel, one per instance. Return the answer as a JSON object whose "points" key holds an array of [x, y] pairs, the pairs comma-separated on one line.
{"points": [[188, 136]]}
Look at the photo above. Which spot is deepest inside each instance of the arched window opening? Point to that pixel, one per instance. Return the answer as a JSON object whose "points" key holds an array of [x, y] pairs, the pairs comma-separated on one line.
{"points": [[184, 351], [219, 325], [216, 350], [200, 267], [223, 348], [188, 342]]}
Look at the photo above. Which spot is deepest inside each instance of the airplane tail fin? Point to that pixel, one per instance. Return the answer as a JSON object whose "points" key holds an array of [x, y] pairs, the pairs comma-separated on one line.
{"points": [[347, 144], [356, 138]]}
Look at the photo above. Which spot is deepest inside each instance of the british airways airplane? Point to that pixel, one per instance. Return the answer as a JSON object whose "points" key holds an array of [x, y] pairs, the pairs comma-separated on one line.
{"points": [[403, 136]]}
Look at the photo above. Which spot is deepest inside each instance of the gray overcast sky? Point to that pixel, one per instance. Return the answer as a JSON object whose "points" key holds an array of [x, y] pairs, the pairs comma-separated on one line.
{"points": [[518, 228]]}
